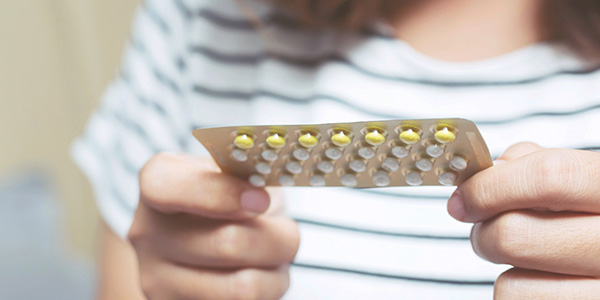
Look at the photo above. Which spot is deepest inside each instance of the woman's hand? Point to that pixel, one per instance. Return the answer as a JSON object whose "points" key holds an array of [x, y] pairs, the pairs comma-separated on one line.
{"points": [[201, 234], [539, 211]]}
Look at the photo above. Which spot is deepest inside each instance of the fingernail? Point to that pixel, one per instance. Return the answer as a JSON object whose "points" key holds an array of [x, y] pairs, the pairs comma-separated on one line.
{"points": [[256, 201], [456, 206]]}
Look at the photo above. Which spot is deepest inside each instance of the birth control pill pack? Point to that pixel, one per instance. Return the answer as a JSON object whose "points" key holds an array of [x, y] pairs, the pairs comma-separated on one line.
{"points": [[357, 154]]}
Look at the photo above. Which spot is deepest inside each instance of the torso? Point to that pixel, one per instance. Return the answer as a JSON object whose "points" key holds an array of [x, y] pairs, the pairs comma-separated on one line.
{"points": [[393, 242]]}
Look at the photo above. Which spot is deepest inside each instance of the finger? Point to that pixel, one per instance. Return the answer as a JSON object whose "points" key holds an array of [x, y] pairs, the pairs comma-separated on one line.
{"points": [[518, 150], [533, 285], [553, 179], [172, 282], [173, 183], [565, 243], [183, 239]]}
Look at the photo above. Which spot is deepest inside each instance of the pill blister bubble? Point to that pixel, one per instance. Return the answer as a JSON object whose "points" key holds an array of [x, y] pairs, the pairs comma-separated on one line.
{"points": [[366, 153], [424, 165], [445, 136], [458, 163], [409, 136], [390, 164], [239, 155], [269, 155], [293, 167], [349, 180], [317, 180], [381, 178], [301, 154], [257, 180], [414, 178], [308, 140], [341, 139], [375, 138], [434, 150], [400, 152], [325, 166], [357, 166], [286, 180], [447, 178], [244, 141], [333, 153], [263, 168], [276, 141]]}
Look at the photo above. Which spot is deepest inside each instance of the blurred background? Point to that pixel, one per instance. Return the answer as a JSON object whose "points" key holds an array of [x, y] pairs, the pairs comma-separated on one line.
{"points": [[56, 58]]}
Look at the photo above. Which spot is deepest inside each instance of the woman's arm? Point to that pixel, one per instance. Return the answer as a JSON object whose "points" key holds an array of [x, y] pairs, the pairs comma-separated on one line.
{"points": [[118, 276]]}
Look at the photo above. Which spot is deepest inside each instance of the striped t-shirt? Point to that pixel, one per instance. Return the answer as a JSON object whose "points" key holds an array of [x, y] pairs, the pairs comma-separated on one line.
{"points": [[199, 63]]}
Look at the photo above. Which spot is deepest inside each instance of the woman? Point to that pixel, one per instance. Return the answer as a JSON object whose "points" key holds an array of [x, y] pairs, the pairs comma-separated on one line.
{"points": [[524, 70]]}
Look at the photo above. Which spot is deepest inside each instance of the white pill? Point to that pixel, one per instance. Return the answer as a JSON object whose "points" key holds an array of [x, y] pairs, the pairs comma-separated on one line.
{"points": [[257, 180], [333, 153], [287, 180], [414, 178], [458, 163], [381, 178], [349, 180], [317, 180], [424, 165], [366, 153], [390, 164], [301, 154], [263, 168], [434, 151], [400, 152], [294, 167], [357, 166], [239, 155], [447, 178], [269, 155], [325, 166]]}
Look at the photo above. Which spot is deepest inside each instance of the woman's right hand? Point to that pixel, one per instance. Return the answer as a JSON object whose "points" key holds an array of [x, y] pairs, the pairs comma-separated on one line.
{"points": [[202, 234]]}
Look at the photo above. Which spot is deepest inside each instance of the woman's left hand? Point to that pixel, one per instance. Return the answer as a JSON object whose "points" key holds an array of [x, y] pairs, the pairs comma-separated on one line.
{"points": [[538, 210]]}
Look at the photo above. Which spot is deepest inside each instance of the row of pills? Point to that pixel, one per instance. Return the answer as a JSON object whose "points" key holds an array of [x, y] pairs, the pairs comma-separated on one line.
{"points": [[444, 134]]}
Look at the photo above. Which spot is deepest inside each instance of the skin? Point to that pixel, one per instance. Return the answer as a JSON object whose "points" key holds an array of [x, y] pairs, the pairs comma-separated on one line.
{"points": [[200, 234], [538, 210]]}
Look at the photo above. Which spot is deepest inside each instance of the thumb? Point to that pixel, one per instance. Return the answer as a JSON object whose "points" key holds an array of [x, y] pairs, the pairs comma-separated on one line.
{"points": [[518, 150]]}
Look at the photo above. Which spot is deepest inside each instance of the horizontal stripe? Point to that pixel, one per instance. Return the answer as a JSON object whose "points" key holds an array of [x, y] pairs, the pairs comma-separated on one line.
{"points": [[377, 232], [240, 23], [156, 18], [350, 209], [424, 258], [237, 95], [391, 276], [314, 62], [396, 195]]}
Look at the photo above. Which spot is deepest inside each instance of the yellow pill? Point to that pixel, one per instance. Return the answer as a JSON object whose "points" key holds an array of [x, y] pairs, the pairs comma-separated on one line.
{"points": [[243, 141], [340, 139], [308, 140], [276, 141], [445, 136], [409, 137], [375, 138]]}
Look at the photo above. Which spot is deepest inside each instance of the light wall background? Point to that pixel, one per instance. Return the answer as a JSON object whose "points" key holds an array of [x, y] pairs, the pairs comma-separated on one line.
{"points": [[56, 58]]}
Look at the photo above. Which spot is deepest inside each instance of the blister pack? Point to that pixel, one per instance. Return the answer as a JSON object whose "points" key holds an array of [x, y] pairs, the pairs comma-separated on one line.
{"points": [[357, 154]]}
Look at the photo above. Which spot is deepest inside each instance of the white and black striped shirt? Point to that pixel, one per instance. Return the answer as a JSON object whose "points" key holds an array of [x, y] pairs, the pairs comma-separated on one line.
{"points": [[197, 63]]}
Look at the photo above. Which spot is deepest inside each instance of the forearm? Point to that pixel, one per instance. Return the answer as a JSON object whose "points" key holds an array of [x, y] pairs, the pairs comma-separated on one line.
{"points": [[118, 276]]}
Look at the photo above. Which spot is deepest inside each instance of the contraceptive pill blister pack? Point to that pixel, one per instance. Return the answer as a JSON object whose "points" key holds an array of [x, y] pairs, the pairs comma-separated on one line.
{"points": [[357, 154]]}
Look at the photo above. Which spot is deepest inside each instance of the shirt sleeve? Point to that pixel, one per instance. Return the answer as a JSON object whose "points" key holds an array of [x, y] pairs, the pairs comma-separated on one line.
{"points": [[143, 112]]}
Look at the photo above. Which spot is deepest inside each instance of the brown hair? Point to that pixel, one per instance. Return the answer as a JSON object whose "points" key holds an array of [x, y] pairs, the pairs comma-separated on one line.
{"points": [[574, 22]]}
